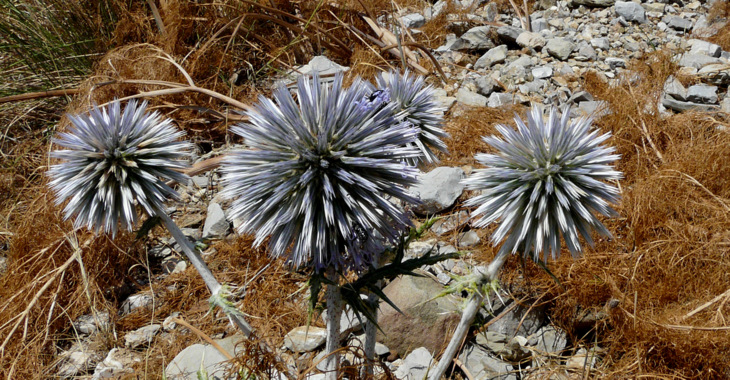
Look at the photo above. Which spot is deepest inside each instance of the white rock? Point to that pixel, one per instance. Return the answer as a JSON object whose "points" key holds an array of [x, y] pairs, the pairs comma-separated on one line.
{"points": [[438, 189], [415, 365], [141, 336], [216, 224], [305, 338]]}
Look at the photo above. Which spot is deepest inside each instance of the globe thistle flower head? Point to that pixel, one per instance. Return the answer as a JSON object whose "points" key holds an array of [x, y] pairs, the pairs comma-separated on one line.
{"points": [[415, 103], [547, 179], [375, 100], [114, 160], [317, 174]]}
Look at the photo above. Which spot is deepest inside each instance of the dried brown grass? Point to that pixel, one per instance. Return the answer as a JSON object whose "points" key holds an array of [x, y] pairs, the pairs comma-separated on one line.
{"points": [[667, 259]]}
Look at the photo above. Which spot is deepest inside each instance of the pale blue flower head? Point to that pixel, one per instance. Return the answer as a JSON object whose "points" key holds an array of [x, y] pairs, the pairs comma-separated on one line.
{"points": [[317, 175], [415, 103], [114, 160], [547, 179]]}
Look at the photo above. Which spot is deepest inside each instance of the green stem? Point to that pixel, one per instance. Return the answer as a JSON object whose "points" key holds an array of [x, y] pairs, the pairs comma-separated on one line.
{"points": [[467, 318], [210, 281]]}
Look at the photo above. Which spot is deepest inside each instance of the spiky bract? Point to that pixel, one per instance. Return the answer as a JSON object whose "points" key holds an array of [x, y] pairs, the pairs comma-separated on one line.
{"points": [[317, 174], [547, 179], [416, 103], [112, 161]]}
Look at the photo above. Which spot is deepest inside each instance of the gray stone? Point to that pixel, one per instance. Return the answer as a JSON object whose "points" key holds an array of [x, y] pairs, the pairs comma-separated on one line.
{"points": [[438, 189], [614, 62], [417, 249], [200, 181], [79, 359], [509, 34], [483, 366], [580, 96], [415, 366], [498, 99], [583, 359], [504, 347], [631, 11], [549, 340], [322, 65], [702, 93], [678, 23], [698, 60], [169, 324], [533, 87], [470, 98], [443, 278], [675, 89], [539, 25], [468, 239], [542, 72], [680, 106], [715, 73], [90, 323], [450, 223], [559, 48], [305, 338], [492, 56], [141, 336], [118, 362], [135, 302], [359, 341], [592, 3], [475, 39], [528, 319], [486, 85], [586, 53], [531, 40], [703, 47], [705, 29], [594, 108], [187, 363], [413, 20], [725, 105], [216, 224], [426, 321]]}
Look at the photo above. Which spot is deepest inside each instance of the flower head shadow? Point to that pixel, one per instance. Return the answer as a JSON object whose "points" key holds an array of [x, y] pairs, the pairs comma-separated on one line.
{"points": [[114, 160], [547, 179], [317, 175]]}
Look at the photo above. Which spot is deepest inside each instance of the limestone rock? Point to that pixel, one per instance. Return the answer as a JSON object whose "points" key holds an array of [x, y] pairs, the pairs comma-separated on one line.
{"points": [[426, 321], [415, 366], [438, 189], [187, 363], [305, 338], [631, 11], [216, 224], [470, 98], [492, 56], [531, 40], [702, 93], [141, 336], [560, 48]]}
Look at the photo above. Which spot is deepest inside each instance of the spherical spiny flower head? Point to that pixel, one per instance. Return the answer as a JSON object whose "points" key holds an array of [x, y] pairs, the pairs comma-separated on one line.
{"points": [[317, 174], [546, 180], [416, 104], [114, 159]]}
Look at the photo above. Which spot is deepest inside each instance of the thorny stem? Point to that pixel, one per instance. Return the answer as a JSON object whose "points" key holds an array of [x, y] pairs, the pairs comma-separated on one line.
{"points": [[467, 318], [210, 281], [334, 312], [370, 332]]}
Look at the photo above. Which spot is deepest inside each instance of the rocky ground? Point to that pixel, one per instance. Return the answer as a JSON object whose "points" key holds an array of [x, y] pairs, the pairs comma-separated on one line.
{"points": [[488, 66]]}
